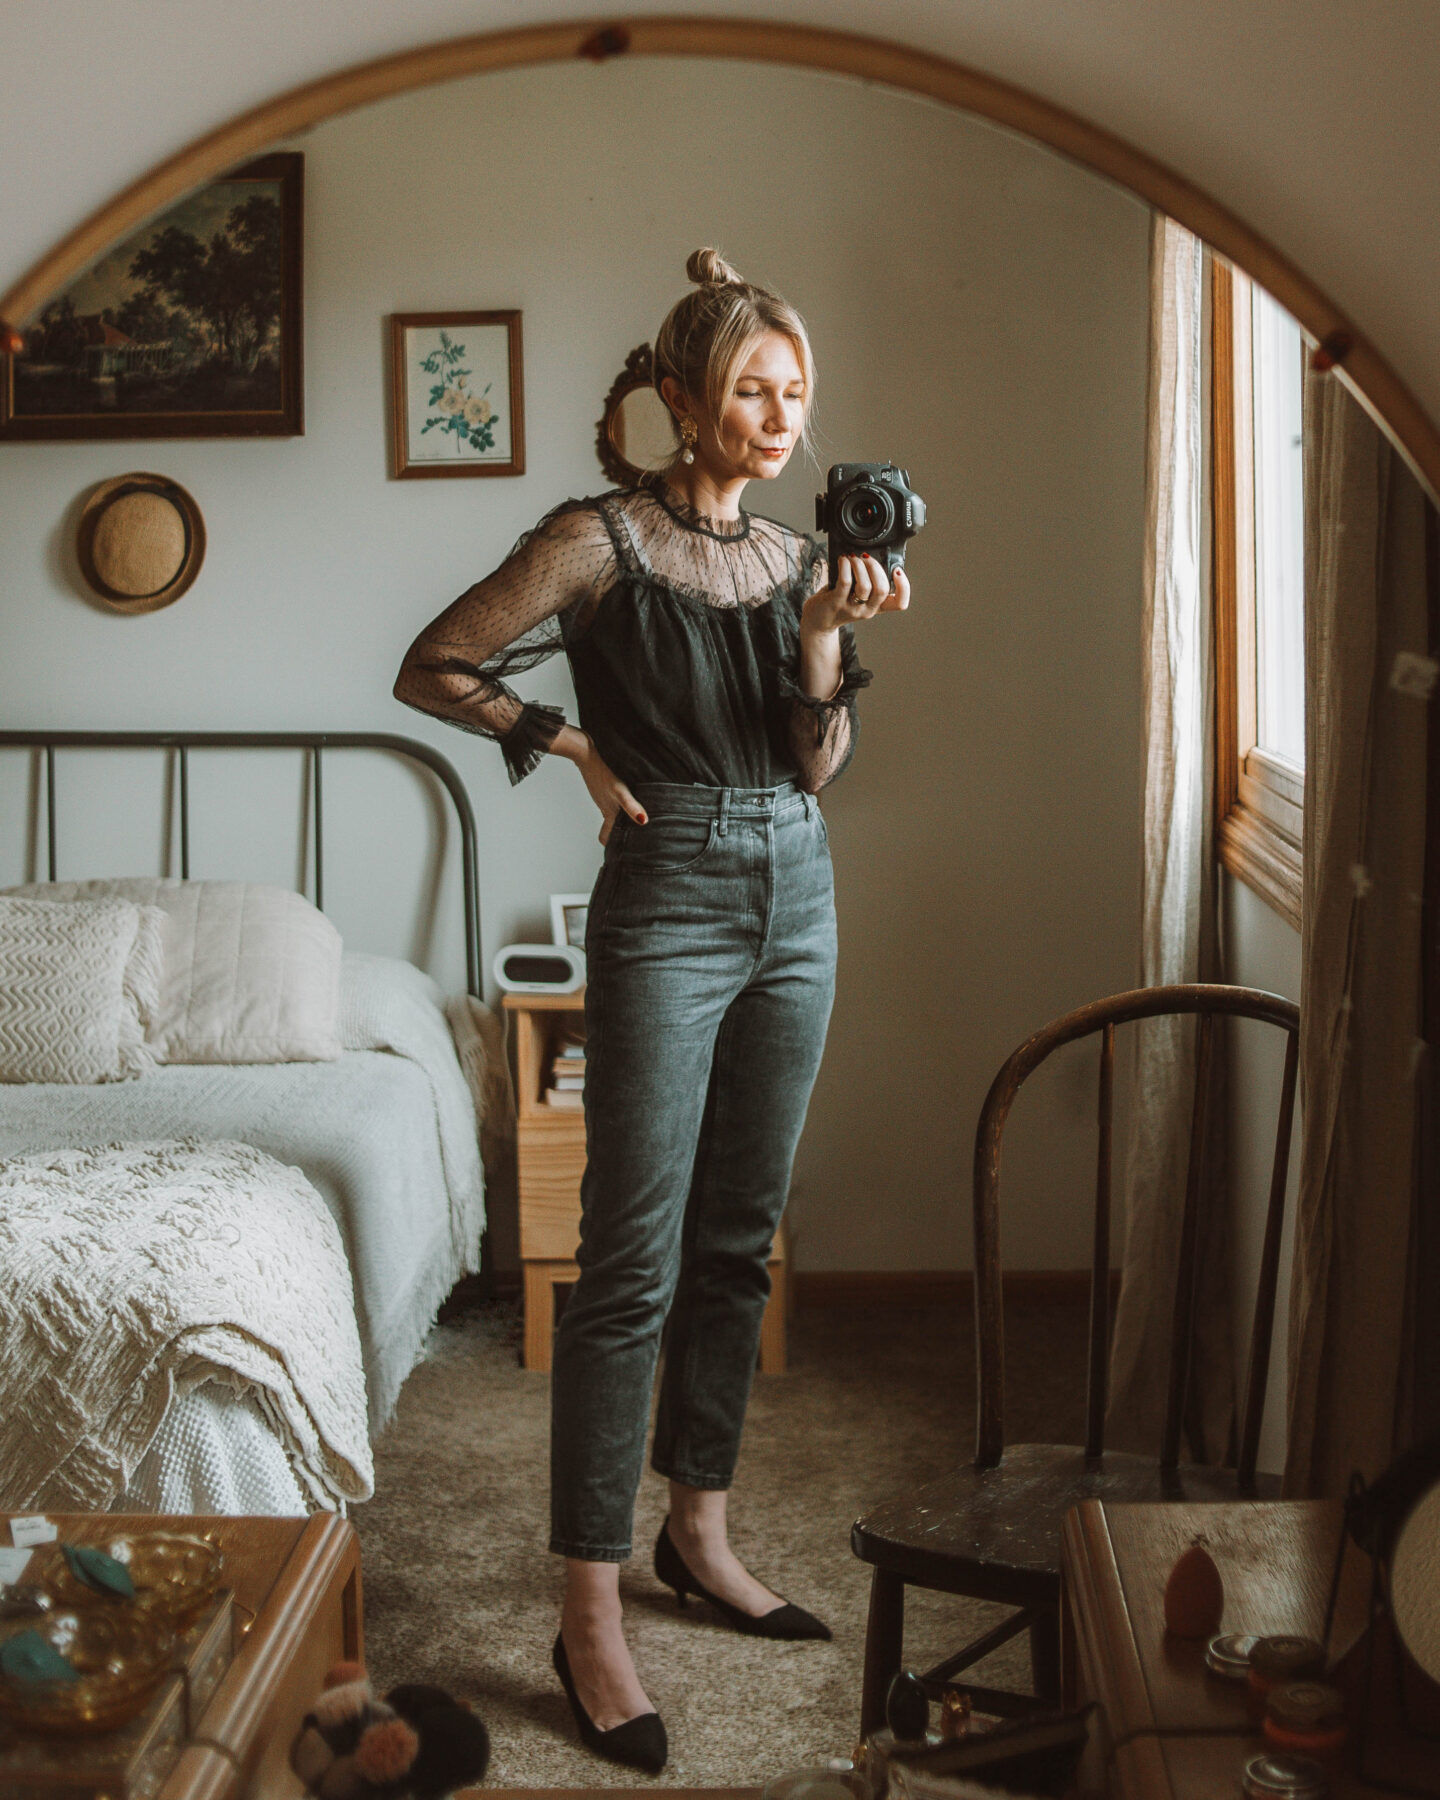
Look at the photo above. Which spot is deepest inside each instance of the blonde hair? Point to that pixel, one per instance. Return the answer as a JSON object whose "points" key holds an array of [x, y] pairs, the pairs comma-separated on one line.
{"points": [[707, 337]]}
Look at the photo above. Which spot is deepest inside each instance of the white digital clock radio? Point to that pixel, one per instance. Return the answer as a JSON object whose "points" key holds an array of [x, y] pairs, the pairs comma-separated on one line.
{"points": [[540, 969]]}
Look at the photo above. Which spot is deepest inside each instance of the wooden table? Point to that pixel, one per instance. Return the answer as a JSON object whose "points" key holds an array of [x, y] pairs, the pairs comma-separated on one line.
{"points": [[300, 1578], [1275, 1558]]}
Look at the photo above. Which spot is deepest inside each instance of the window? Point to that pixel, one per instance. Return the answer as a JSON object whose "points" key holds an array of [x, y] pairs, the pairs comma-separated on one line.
{"points": [[1258, 554]]}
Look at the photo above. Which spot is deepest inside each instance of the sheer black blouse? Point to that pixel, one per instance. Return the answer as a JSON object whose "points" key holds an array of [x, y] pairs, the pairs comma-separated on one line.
{"points": [[683, 638]]}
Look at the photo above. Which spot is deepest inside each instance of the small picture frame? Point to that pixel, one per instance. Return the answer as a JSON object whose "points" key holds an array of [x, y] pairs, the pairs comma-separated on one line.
{"points": [[568, 914], [456, 395]]}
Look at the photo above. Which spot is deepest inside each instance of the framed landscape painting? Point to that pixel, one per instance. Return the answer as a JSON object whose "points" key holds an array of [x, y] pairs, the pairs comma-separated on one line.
{"points": [[190, 328], [456, 394]]}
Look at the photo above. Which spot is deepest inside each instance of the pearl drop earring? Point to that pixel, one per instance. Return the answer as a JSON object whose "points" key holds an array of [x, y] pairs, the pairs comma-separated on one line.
{"points": [[689, 437]]}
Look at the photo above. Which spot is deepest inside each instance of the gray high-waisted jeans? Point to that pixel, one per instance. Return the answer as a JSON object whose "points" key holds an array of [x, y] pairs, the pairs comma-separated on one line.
{"points": [[711, 963]]}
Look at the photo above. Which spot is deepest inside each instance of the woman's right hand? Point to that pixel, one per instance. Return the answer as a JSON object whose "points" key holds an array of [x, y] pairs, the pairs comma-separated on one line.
{"points": [[607, 790]]}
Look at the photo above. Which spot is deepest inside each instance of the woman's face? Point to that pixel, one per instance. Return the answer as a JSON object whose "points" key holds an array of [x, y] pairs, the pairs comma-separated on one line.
{"points": [[761, 424]]}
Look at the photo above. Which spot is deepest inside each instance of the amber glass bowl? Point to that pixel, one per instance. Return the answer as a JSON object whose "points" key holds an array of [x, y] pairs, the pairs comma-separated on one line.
{"points": [[120, 1655], [175, 1576]]}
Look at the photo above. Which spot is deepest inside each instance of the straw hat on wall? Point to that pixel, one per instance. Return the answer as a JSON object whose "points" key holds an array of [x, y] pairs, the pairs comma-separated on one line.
{"points": [[141, 542]]}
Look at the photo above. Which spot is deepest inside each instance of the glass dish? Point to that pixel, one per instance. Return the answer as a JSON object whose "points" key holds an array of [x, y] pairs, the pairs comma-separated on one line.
{"points": [[120, 1655], [836, 1780], [175, 1575]]}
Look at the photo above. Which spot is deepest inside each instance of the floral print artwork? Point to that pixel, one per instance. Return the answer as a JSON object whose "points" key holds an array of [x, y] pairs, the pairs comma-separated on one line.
{"points": [[456, 406], [470, 416]]}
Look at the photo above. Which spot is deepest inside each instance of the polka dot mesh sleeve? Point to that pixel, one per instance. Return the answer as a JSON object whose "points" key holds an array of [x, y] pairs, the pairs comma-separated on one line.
{"points": [[823, 733], [459, 665], [547, 593]]}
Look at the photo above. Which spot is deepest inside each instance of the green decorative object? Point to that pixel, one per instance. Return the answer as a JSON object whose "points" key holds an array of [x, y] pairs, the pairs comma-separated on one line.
{"points": [[99, 1572], [29, 1657]]}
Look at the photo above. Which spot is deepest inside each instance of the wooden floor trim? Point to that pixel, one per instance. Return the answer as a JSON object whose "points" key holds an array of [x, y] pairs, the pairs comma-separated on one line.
{"points": [[863, 1287], [920, 1287]]}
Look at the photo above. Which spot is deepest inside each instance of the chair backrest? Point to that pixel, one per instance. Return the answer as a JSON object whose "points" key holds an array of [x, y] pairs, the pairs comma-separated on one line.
{"points": [[1209, 1001]]}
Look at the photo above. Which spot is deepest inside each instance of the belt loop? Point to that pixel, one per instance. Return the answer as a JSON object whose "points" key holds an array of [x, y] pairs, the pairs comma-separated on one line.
{"points": [[724, 810]]}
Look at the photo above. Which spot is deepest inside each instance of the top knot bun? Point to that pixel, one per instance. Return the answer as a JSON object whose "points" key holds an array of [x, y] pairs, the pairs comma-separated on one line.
{"points": [[710, 269]]}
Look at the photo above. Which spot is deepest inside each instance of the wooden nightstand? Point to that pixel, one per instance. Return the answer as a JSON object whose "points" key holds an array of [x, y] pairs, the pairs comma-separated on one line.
{"points": [[551, 1152]]}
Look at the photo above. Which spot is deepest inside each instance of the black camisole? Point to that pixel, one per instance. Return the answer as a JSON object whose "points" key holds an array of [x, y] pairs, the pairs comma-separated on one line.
{"points": [[682, 634]]}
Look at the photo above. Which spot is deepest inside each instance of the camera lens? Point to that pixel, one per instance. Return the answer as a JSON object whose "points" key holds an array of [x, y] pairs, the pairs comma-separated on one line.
{"points": [[867, 514]]}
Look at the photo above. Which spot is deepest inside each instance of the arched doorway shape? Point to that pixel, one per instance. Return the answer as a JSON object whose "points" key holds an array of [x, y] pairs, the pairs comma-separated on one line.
{"points": [[1364, 369]]}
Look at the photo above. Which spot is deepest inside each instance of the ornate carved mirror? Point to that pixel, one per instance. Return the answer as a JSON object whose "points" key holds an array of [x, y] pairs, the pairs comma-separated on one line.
{"points": [[634, 433]]}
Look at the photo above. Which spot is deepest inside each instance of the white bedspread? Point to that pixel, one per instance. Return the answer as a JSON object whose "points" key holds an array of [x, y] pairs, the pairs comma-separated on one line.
{"points": [[215, 1454], [133, 1272], [386, 1134]]}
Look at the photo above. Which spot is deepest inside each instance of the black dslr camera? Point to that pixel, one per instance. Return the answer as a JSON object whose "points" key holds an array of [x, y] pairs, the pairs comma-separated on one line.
{"points": [[869, 509]]}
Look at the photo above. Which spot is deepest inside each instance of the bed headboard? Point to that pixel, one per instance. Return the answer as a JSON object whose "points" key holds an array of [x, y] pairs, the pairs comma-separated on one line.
{"points": [[316, 743]]}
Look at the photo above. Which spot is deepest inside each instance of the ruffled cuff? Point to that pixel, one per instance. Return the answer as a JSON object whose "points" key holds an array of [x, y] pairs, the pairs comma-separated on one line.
{"points": [[529, 738], [852, 678]]}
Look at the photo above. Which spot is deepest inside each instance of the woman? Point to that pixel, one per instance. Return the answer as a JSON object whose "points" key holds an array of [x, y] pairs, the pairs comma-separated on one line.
{"points": [[716, 675]]}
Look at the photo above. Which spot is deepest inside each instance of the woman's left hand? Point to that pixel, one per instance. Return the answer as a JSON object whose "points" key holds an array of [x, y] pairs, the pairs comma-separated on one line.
{"points": [[860, 591]]}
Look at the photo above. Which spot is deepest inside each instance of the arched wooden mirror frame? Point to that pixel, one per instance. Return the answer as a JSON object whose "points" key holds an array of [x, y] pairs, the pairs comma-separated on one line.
{"points": [[1342, 345]]}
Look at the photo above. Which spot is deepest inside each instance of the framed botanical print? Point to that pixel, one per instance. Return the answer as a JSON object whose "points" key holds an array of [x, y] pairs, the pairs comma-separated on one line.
{"points": [[456, 394], [189, 328]]}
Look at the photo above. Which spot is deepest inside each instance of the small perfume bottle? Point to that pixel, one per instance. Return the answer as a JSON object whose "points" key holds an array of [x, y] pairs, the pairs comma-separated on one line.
{"points": [[955, 1710], [907, 1723]]}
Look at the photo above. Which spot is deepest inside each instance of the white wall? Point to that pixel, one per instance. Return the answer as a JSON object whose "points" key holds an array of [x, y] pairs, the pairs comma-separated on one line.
{"points": [[1314, 123], [978, 308]]}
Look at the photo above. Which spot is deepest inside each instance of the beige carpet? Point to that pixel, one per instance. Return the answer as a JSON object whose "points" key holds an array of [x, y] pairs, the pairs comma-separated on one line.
{"points": [[459, 1588]]}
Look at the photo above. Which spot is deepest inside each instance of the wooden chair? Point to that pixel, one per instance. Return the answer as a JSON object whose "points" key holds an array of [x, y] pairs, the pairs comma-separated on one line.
{"points": [[991, 1530]]}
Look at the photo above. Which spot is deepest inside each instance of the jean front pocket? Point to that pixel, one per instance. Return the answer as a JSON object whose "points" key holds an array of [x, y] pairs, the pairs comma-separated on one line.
{"points": [[668, 845]]}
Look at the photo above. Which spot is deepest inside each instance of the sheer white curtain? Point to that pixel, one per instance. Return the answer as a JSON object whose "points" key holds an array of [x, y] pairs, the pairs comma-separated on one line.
{"points": [[1178, 916]]}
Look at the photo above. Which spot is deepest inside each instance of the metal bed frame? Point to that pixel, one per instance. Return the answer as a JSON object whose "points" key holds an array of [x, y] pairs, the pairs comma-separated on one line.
{"points": [[316, 743]]}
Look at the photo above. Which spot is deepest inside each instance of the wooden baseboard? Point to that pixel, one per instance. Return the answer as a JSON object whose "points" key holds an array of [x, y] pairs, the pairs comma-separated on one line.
{"points": [[921, 1287], [873, 1287]]}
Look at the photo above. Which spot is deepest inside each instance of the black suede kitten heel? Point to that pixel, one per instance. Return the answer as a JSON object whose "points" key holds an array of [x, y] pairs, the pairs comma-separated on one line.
{"points": [[783, 1621], [639, 1743]]}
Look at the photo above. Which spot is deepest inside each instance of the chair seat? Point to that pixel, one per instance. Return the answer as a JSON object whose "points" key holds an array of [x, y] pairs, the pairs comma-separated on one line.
{"points": [[995, 1533]]}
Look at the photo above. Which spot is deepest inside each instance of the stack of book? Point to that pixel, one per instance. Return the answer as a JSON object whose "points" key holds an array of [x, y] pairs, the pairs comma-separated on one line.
{"points": [[567, 1076]]}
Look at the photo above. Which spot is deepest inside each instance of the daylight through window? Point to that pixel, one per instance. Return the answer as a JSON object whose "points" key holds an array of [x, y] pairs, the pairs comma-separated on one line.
{"points": [[1258, 539]]}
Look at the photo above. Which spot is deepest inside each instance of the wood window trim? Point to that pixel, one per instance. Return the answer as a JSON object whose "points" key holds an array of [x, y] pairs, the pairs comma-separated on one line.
{"points": [[1259, 798]]}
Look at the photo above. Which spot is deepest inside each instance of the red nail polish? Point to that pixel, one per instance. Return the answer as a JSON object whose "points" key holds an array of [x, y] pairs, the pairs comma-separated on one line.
{"points": [[643, 819]]}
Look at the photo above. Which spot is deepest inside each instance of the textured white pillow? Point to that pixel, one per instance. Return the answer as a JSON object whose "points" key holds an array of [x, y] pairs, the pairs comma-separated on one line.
{"points": [[79, 985], [140, 990], [252, 973]]}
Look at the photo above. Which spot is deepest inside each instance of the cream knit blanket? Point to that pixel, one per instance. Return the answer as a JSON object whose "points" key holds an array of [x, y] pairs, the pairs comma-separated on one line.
{"points": [[130, 1272]]}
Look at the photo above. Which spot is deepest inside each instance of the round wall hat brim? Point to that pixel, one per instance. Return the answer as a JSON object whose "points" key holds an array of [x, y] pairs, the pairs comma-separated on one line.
{"points": [[141, 541]]}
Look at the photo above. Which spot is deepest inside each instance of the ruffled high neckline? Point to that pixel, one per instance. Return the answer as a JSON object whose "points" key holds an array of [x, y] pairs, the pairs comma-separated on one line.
{"points": [[691, 517]]}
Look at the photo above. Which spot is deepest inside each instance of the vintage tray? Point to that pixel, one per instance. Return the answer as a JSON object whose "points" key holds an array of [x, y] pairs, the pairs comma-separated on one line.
{"points": [[133, 1762]]}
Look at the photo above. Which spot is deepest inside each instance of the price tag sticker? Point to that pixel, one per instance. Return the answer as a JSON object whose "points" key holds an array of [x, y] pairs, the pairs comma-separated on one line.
{"points": [[37, 1529], [12, 1564]]}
